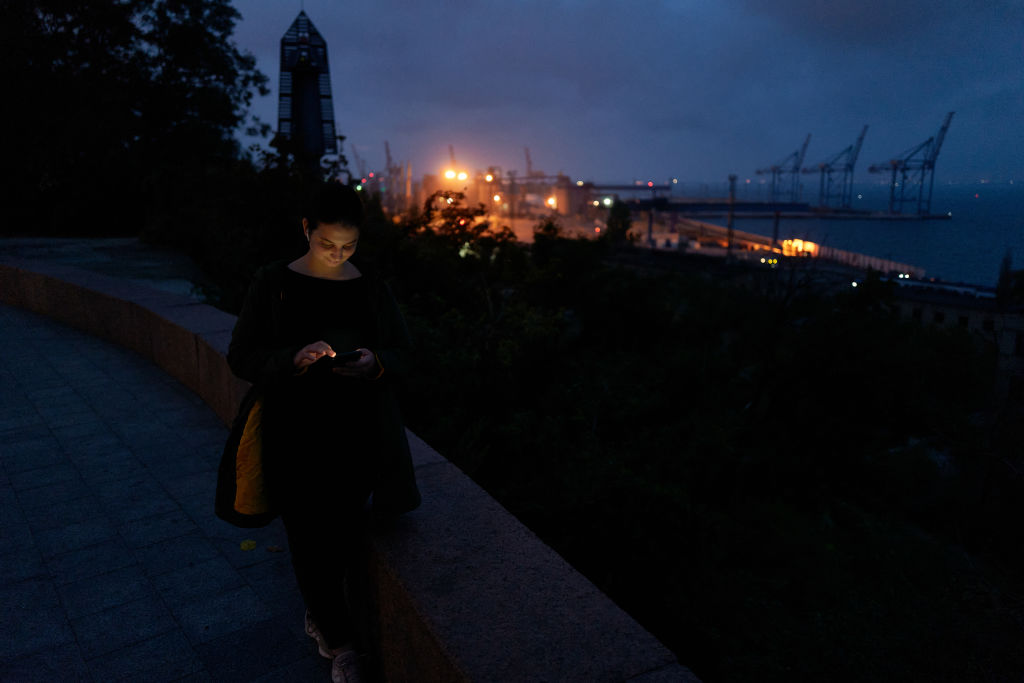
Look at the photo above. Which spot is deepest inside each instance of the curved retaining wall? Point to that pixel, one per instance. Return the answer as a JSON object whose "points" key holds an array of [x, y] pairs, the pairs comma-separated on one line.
{"points": [[461, 590]]}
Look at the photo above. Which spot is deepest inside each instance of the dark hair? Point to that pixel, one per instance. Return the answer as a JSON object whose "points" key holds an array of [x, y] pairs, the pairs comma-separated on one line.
{"points": [[332, 202]]}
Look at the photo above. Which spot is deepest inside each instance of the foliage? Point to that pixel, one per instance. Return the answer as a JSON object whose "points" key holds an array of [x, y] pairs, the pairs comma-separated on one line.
{"points": [[121, 110], [619, 223], [794, 482]]}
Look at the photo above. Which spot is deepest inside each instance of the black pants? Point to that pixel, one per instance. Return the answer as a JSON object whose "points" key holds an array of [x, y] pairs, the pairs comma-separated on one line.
{"points": [[327, 541], [320, 469]]}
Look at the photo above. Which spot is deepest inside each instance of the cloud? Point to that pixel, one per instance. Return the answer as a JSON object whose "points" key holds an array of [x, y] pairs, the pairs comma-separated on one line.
{"points": [[670, 87]]}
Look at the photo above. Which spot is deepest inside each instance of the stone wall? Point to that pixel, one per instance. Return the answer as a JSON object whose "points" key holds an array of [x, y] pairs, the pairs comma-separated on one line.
{"points": [[461, 591]]}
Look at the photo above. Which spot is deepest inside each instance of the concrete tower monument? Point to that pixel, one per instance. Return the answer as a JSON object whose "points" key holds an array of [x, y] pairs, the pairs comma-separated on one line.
{"points": [[305, 113]]}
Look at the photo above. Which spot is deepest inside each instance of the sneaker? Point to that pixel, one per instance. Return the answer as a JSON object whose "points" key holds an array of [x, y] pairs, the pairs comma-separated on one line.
{"points": [[313, 632], [346, 668]]}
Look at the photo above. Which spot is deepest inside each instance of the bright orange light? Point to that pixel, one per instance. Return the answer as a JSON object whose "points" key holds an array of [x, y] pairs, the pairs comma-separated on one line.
{"points": [[463, 175], [597, 229], [489, 178], [552, 202], [798, 247], [497, 198], [449, 174]]}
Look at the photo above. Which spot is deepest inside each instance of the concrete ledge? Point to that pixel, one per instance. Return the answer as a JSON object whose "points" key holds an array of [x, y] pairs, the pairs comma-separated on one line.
{"points": [[462, 591]]}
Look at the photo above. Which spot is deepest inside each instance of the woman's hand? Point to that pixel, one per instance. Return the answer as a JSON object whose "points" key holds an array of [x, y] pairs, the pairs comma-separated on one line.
{"points": [[311, 353], [365, 367]]}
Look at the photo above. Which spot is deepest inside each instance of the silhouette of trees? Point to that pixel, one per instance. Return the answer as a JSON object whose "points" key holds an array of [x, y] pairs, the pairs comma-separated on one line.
{"points": [[119, 111]]}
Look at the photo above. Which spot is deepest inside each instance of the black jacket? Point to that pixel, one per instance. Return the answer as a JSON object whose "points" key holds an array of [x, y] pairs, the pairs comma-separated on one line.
{"points": [[256, 355]]}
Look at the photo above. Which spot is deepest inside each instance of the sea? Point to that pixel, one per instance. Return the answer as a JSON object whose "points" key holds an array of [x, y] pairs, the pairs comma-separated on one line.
{"points": [[985, 222]]}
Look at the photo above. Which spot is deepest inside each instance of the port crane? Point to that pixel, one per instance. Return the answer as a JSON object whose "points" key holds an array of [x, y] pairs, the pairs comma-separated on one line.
{"points": [[842, 162], [915, 166], [360, 164], [395, 200], [788, 166]]}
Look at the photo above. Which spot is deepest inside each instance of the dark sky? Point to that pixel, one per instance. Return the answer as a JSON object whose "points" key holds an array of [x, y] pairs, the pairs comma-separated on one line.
{"points": [[611, 90]]}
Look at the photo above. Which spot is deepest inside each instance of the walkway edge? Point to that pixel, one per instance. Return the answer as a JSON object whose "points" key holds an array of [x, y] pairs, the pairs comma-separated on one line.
{"points": [[463, 591]]}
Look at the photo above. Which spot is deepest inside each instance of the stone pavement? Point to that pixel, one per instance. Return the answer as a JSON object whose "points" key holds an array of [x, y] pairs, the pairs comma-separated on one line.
{"points": [[112, 564]]}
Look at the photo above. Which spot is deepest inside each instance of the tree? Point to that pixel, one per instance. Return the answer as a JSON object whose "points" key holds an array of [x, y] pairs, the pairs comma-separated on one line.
{"points": [[619, 222], [122, 107]]}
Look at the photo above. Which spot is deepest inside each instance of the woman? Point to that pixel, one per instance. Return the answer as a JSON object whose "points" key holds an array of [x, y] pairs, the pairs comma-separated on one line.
{"points": [[322, 341]]}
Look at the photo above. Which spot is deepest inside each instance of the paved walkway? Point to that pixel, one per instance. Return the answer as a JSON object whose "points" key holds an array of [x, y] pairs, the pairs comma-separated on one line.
{"points": [[112, 564]]}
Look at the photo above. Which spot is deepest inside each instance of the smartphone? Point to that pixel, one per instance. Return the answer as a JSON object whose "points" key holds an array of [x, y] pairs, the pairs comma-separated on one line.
{"points": [[341, 359]]}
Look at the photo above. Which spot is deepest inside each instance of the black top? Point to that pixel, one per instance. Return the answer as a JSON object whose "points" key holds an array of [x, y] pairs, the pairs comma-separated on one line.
{"points": [[335, 311], [323, 420], [260, 353]]}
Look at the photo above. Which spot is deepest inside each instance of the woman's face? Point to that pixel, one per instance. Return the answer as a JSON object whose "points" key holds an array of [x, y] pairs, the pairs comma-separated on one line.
{"points": [[332, 244]]}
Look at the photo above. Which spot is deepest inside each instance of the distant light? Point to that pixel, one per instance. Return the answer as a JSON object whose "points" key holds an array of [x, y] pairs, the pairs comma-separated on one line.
{"points": [[463, 175], [976, 195], [579, 183], [489, 178], [597, 203], [607, 201], [597, 229], [371, 174], [950, 214], [359, 188], [675, 181], [853, 284], [763, 259], [552, 202], [364, 181], [450, 200], [497, 198], [650, 183], [450, 175], [748, 181], [860, 196]]}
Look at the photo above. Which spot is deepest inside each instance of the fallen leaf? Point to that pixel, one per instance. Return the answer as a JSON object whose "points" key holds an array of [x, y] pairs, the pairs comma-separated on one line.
{"points": [[248, 545]]}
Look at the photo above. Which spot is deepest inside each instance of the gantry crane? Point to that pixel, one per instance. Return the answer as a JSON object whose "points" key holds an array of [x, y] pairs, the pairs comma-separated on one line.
{"points": [[788, 166], [842, 162], [915, 166], [360, 164], [394, 197]]}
